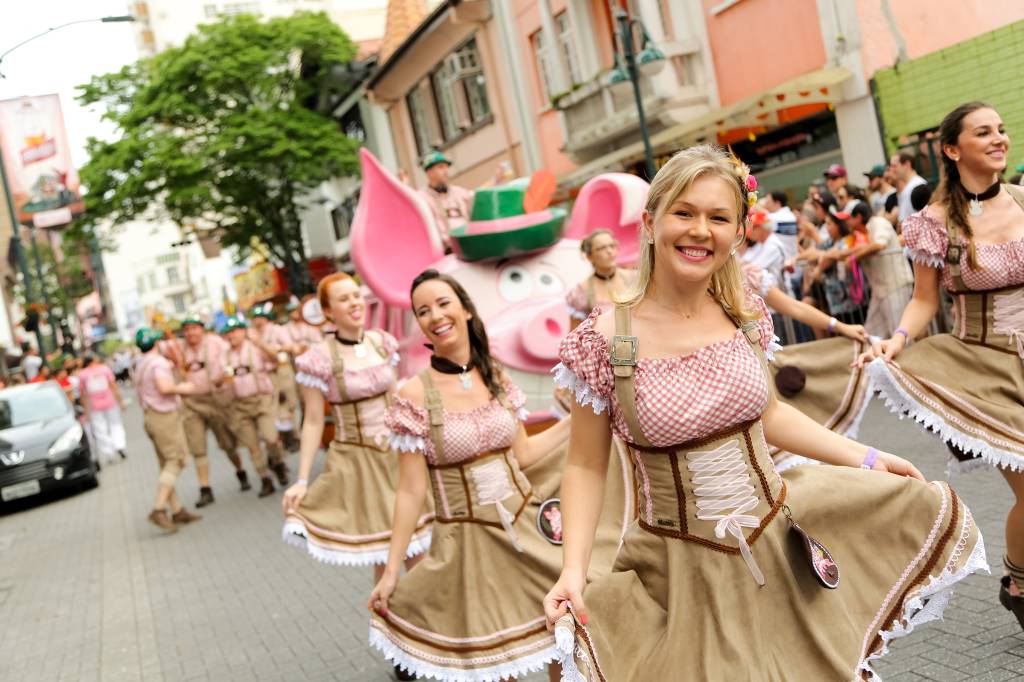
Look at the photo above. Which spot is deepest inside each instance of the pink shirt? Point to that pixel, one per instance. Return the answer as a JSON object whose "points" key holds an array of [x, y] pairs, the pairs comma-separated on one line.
{"points": [[205, 364], [302, 333], [151, 367], [94, 383], [450, 209], [275, 336], [251, 368]]}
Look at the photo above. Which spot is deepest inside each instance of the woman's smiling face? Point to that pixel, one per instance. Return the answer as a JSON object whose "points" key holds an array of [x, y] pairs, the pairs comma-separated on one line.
{"points": [[441, 316]]}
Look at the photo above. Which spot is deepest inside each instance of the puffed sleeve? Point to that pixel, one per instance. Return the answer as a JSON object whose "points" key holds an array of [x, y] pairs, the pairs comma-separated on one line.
{"points": [[925, 239], [576, 301], [769, 341], [408, 426], [313, 369], [516, 398], [758, 279], [584, 368]]}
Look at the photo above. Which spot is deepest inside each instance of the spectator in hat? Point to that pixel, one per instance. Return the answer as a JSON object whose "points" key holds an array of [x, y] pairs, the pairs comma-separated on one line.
{"points": [[835, 177], [450, 203], [784, 220], [906, 177], [764, 248], [878, 188]]}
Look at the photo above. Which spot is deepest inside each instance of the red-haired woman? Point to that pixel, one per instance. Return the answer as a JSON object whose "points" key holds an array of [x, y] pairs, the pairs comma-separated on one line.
{"points": [[344, 517]]}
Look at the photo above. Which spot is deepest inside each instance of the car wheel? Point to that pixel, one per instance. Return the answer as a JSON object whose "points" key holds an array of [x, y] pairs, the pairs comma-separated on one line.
{"points": [[91, 482]]}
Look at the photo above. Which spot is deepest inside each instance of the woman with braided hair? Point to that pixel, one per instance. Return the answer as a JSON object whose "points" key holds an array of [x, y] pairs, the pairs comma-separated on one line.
{"points": [[969, 241], [721, 575]]}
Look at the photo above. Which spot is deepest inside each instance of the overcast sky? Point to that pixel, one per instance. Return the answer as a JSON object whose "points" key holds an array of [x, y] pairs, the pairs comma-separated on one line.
{"points": [[65, 58]]}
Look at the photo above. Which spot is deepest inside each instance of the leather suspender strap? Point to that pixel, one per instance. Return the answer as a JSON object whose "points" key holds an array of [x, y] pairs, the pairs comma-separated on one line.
{"points": [[623, 360], [338, 368], [954, 249], [435, 415], [378, 345], [753, 335]]}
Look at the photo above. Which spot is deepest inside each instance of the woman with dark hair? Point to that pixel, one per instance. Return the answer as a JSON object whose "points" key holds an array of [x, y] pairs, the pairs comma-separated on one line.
{"points": [[607, 281], [344, 516], [471, 609], [970, 242]]}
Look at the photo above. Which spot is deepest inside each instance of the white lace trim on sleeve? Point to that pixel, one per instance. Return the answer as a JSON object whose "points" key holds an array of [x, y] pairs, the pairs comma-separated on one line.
{"points": [[574, 313], [585, 395], [395, 359], [773, 347], [405, 442], [311, 381], [924, 258], [522, 414]]}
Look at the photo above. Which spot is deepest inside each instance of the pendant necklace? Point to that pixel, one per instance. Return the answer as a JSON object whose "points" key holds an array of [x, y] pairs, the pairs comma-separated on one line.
{"points": [[975, 204], [446, 366], [359, 348]]}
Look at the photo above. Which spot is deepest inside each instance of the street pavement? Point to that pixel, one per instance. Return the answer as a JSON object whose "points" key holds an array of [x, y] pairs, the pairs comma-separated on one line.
{"points": [[89, 590]]}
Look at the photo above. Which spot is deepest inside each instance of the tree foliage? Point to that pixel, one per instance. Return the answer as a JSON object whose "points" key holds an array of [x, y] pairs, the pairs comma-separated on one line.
{"points": [[65, 282], [220, 134]]}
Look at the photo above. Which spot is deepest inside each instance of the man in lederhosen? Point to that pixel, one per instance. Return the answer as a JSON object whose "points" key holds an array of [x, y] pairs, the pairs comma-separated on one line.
{"points": [[449, 203], [273, 339], [207, 408], [247, 370], [158, 394]]}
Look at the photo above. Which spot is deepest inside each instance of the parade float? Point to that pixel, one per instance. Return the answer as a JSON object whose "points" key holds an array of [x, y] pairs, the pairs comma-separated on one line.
{"points": [[517, 257]]}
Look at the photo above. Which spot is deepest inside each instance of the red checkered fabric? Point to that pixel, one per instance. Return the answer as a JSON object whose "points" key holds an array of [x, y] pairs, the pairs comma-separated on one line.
{"points": [[677, 399], [1002, 264], [313, 368], [466, 434]]}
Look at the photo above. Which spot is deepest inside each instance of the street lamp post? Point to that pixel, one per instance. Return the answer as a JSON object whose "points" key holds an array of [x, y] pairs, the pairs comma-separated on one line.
{"points": [[15, 224], [626, 36]]}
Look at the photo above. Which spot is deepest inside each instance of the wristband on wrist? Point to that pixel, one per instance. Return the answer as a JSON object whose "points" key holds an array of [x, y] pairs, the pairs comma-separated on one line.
{"points": [[303, 481], [832, 322], [869, 459], [901, 330]]}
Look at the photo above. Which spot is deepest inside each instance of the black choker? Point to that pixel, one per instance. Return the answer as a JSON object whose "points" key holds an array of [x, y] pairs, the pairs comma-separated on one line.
{"points": [[974, 205], [605, 278], [446, 366], [348, 342]]}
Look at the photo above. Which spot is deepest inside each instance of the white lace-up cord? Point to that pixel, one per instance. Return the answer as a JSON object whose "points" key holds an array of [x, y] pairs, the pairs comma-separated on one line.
{"points": [[492, 486], [1008, 318], [721, 484]]}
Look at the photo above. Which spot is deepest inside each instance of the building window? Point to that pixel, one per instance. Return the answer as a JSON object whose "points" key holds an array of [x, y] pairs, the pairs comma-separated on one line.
{"points": [[474, 85], [422, 129], [341, 217], [210, 11], [444, 82], [152, 280], [179, 303], [172, 275], [140, 284], [546, 55], [233, 8]]}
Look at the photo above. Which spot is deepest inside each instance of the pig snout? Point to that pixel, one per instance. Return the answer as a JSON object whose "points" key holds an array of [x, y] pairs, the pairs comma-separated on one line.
{"points": [[527, 336]]}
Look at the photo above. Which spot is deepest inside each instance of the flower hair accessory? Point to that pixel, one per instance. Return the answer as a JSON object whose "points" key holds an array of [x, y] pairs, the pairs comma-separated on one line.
{"points": [[746, 178]]}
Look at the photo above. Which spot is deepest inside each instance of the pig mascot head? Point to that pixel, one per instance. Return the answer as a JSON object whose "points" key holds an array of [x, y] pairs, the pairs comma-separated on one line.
{"points": [[519, 296]]}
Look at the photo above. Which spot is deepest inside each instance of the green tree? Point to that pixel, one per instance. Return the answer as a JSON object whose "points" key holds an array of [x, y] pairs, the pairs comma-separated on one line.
{"points": [[64, 282], [225, 133]]}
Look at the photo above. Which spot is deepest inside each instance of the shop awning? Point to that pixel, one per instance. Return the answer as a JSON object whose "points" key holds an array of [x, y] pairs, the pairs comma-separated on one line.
{"points": [[785, 103]]}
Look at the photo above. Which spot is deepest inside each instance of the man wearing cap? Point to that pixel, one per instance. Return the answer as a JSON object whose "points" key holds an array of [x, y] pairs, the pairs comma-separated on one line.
{"points": [[158, 395], [764, 249], [206, 409], [247, 370], [273, 340], [450, 203], [301, 335], [878, 189], [835, 177]]}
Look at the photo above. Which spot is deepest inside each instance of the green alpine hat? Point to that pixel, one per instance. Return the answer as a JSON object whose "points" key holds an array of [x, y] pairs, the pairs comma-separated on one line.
{"points": [[146, 338], [293, 304], [433, 158], [877, 171], [499, 226], [264, 310], [1020, 167], [233, 323]]}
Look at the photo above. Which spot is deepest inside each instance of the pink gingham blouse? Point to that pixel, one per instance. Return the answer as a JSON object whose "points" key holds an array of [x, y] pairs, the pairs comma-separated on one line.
{"points": [[313, 369], [466, 434], [678, 399], [926, 240]]}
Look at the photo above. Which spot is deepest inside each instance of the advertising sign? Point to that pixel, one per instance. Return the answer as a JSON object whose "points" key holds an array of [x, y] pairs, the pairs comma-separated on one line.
{"points": [[43, 182]]}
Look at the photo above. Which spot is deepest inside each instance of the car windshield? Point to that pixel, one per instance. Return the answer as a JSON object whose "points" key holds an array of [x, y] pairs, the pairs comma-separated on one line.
{"points": [[25, 407]]}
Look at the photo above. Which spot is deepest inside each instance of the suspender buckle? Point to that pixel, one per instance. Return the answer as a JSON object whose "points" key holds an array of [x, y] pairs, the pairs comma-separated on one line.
{"points": [[621, 355], [953, 254], [751, 331]]}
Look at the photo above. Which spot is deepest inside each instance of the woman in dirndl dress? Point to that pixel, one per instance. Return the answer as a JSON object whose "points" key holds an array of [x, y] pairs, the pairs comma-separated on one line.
{"points": [[344, 516], [725, 574], [968, 386], [470, 610], [607, 280]]}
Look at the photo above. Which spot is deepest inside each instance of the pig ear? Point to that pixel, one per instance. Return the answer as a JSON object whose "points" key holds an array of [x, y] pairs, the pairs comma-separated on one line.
{"points": [[394, 235], [612, 201]]}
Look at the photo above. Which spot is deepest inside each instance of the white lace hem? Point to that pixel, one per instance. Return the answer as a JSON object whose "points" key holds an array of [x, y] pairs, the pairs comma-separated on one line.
{"points": [[395, 359], [574, 313], [294, 533], [924, 258], [585, 395], [311, 381], [522, 414], [774, 346], [407, 443], [514, 669], [897, 400], [927, 604]]}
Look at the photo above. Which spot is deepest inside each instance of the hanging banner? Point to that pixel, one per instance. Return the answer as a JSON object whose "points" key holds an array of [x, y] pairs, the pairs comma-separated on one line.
{"points": [[43, 182]]}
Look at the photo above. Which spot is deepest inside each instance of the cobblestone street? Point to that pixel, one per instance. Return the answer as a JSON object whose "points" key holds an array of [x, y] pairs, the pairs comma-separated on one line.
{"points": [[89, 590]]}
